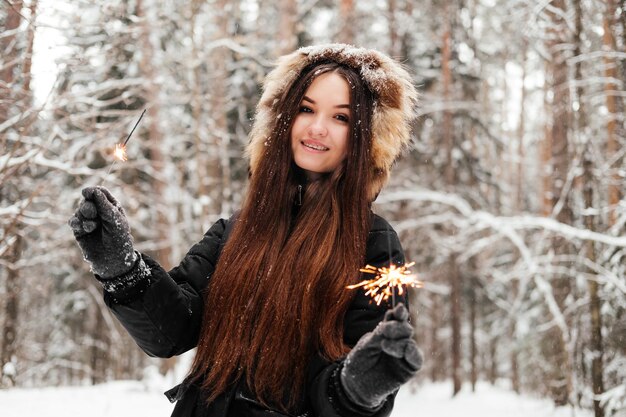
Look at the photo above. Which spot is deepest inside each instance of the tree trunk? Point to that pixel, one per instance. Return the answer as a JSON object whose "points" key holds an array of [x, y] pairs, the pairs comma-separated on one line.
{"points": [[472, 318], [100, 348], [493, 361], [622, 16], [450, 177], [15, 68], [155, 139], [346, 16], [455, 300], [556, 344], [546, 160], [597, 349], [588, 182], [28, 58], [513, 355], [9, 51], [287, 39], [518, 209], [612, 143], [198, 94], [521, 130], [11, 308], [394, 37], [407, 41], [155, 136], [220, 57], [437, 353], [446, 76]]}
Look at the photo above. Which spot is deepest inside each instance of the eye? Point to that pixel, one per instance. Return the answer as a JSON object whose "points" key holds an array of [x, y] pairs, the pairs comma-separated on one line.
{"points": [[305, 109], [342, 118]]}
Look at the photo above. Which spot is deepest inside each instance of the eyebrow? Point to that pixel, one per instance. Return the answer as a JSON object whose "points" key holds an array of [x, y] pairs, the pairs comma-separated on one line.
{"points": [[340, 106]]}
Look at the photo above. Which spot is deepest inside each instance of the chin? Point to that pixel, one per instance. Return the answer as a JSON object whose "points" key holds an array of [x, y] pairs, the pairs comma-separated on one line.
{"points": [[306, 165], [310, 170]]}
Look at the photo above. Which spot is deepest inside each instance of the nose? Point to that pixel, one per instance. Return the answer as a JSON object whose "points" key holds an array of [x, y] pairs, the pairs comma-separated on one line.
{"points": [[317, 128]]}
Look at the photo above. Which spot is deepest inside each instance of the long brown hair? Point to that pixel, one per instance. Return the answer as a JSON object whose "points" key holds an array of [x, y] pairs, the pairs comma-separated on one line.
{"points": [[277, 296]]}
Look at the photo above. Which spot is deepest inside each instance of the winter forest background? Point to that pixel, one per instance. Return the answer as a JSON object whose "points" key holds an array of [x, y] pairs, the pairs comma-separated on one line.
{"points": [[511, 201]]}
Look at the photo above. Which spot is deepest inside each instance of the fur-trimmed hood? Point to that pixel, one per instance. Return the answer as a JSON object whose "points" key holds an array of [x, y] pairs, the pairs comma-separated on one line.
{"points": [[394, 108]]}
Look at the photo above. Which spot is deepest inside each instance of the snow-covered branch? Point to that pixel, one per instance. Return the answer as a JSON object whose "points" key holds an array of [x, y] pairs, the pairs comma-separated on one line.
{"points": [[499, 223]]}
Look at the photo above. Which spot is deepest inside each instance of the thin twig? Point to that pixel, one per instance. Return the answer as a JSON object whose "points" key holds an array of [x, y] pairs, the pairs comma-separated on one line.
{"points": [[18, 12]]}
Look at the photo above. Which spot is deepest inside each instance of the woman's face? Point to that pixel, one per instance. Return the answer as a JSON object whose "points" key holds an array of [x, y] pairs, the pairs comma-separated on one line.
{"points": [[319, 134]]}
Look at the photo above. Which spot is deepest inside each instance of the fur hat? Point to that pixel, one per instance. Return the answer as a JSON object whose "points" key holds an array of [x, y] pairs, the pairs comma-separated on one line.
{"points": [[394, 108]]}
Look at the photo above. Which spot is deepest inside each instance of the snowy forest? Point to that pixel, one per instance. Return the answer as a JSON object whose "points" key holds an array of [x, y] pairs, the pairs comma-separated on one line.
{"points": [[511, 201]]}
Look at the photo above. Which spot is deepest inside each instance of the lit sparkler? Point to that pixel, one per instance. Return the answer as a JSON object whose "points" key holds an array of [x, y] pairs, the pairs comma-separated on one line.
{"points": [[120, 152], [386, 280], [120, 149]]}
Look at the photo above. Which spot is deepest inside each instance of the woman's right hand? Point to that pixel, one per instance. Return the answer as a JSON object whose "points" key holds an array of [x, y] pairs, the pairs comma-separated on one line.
{"points": [[381, 361], [102, 232]]}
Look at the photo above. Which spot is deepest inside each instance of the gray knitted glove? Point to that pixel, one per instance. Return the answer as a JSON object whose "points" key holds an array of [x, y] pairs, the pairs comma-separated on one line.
{"points": [[381, 361], [102, 232]]}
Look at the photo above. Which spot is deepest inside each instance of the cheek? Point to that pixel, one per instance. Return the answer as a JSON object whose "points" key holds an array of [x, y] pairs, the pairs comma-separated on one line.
{"points": [[295, 129], [343, 142], [293, 135]]}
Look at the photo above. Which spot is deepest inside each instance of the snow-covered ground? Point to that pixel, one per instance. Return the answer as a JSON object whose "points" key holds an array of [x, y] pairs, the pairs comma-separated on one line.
{"points": [[136, 399]]}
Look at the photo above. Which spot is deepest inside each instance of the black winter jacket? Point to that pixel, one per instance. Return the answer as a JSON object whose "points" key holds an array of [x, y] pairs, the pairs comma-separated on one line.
{"points": [[162, 311]]}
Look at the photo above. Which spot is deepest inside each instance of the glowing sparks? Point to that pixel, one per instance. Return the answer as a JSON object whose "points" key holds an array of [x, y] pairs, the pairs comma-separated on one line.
{"points": [[381, 288], [120, 152]]}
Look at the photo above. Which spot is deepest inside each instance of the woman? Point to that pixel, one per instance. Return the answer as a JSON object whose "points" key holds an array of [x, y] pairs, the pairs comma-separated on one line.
{"points": [[263, 295]]}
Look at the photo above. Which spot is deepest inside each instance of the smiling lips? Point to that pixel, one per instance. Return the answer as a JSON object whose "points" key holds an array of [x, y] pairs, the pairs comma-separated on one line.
{"points": [[314, 145]]}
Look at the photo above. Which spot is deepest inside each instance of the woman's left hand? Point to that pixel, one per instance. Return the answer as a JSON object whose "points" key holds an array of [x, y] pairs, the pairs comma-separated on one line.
{"points": [[381, 361]]}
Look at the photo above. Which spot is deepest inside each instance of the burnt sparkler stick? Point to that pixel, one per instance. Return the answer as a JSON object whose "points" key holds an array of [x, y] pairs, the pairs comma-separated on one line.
{"points": [[134, 127], [120, 149]]}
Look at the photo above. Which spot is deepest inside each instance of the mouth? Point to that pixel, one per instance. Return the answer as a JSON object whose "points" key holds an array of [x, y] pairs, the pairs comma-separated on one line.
{"points": [[314, 146]]}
